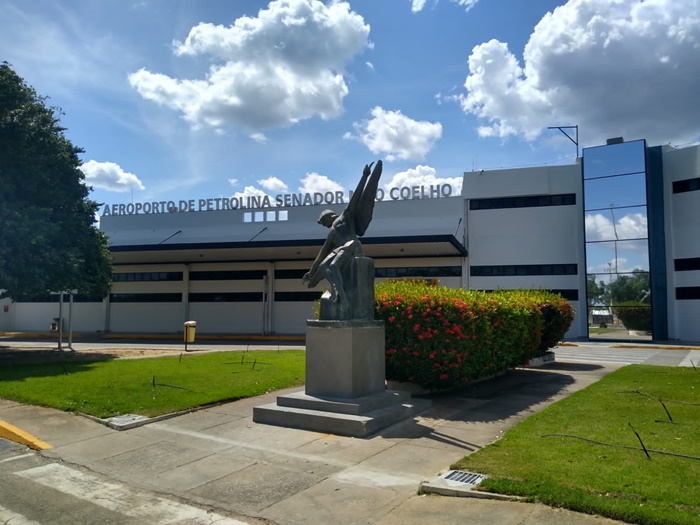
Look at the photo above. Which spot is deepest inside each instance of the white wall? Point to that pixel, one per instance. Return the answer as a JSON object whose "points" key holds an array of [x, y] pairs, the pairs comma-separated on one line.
{"points": [[37, 317], [682, 240], [146, 318], [228, 318], [521, 236]]}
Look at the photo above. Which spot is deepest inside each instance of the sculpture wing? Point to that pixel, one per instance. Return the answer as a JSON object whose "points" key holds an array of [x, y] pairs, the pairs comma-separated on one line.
{"points": [[365, 207]]}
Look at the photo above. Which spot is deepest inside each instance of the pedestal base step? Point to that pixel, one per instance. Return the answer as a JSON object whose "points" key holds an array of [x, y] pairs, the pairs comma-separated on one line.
{"points": [[355, 417]]}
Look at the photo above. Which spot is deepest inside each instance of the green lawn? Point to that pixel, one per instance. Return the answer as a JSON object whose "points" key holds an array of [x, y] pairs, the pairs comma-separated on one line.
{"points": [[616, 482], [152, 387]]}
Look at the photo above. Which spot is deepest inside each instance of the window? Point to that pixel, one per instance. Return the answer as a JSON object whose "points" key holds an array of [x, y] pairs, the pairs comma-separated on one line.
{"points": [[427, 271], [228, 275], [226, 297], [297, 296], [688, 293], [54, 298], [145, 298], [567, 199], [146, 276], [290, 274], [523, 269], [687, 265], [682, 186]]}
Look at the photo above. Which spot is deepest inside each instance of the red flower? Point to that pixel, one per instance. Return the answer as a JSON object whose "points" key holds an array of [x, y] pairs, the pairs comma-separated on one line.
{"points": [[391, 318], [444, 376]]}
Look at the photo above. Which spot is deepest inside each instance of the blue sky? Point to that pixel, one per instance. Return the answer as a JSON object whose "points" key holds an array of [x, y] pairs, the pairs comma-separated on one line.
{"points": [[189, 99]]}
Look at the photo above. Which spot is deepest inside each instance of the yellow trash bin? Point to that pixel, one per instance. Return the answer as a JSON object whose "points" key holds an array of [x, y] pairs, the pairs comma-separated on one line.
{"points": [[190, 329]]}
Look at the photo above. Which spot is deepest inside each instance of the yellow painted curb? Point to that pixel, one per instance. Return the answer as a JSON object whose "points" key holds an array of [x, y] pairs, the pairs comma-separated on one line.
{"points": [[18, 435]]}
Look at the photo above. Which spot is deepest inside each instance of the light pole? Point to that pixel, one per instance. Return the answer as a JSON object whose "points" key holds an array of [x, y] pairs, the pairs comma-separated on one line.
{"points": [[612, 212]]}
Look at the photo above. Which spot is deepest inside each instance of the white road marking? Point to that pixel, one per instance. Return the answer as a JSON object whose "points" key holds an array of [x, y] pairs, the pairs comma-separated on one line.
{"points": [[124, 500], [604, 355], [16, 457]]}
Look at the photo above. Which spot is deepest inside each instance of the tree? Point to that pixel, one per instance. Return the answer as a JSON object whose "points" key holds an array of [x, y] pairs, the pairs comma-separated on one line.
{"points": [[49, 241], [629, 287], [595, 291]]}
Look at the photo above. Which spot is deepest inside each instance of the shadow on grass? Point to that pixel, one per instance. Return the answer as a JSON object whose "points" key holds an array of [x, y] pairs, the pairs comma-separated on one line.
{"points": [[22, 363], [25, 367]]}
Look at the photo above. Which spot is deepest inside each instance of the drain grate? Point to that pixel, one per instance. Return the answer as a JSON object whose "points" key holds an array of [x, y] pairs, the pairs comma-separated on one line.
{"points": [[464, 478]]}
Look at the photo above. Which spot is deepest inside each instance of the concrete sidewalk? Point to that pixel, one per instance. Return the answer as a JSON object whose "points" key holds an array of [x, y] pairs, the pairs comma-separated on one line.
{"points": [[219, 458]]}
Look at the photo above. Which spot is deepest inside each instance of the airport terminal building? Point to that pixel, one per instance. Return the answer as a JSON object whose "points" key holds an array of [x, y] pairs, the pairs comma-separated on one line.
{"points": [[235, 265]]}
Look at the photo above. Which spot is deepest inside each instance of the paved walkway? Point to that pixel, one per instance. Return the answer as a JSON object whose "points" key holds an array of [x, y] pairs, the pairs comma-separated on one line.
{"points": [[219, 458]]}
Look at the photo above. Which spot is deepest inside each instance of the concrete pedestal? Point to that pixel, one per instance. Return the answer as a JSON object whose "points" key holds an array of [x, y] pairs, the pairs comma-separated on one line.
{"points": [[345, 390], [345, 358]]}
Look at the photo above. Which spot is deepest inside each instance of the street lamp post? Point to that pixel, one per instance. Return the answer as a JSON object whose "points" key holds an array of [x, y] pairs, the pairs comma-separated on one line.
{"points": [[612, 212]]}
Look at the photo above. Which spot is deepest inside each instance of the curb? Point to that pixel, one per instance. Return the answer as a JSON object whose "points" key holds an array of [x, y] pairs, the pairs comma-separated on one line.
{"points": [[11, 432], [456, 492]]}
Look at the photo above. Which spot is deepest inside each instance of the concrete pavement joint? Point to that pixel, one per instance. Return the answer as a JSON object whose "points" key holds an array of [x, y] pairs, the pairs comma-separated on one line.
{"points": [[251, 446], [353, 474]]}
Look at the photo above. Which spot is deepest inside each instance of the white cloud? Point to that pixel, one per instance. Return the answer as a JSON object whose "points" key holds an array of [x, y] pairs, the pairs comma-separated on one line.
{"points": [[233, 182], [424, 176], [599, 227], [252, 191], [612, 267], [467, 4], [313, 182], [109, 176], [417, 5], [616, 68], [259, 137], [273, 184], [269, 71], [396, 135]]}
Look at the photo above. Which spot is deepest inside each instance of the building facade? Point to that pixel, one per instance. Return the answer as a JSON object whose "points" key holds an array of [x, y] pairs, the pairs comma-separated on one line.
{"points": [[235, 267]]}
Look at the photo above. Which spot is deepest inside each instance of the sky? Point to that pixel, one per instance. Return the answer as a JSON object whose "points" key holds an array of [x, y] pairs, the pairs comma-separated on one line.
{"points": [[192, 99]]}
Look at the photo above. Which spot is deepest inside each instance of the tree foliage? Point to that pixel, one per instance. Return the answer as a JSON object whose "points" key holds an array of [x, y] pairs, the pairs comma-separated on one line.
{"points": [[629, 287], [596, 291], [632, 287], [49, 241]]}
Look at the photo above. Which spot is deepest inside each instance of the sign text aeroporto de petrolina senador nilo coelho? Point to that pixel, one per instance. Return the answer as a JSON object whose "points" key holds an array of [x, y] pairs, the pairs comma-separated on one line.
{"points": [[253, 202]]}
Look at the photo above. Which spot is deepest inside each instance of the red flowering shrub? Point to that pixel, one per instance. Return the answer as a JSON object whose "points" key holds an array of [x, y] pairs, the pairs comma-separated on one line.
{"points": [[440, 338]]}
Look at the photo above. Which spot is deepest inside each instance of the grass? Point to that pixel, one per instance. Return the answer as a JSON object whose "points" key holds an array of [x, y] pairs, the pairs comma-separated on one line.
{"points": [[615, 482], [599, 331], [151, 387]]}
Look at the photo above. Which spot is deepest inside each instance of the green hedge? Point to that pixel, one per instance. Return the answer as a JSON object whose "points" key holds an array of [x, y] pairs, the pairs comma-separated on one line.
{"points": [[441, 338], [635, 315]]}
